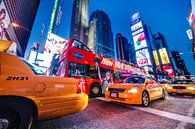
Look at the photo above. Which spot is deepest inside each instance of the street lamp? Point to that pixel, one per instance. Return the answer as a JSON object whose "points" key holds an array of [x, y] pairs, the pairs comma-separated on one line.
{"points": [[17, 25], [40, 38], [181, 53]]}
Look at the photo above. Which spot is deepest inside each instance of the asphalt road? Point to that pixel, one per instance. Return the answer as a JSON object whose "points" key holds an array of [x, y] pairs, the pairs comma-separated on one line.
{"points": [[176, 112]]}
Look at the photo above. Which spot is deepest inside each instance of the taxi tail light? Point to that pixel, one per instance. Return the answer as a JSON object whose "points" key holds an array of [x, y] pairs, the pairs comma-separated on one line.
{"points": [[81, 86]]}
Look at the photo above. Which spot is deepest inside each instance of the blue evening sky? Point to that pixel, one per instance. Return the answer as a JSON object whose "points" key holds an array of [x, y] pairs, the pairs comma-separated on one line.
{"points": [[165, 16]]}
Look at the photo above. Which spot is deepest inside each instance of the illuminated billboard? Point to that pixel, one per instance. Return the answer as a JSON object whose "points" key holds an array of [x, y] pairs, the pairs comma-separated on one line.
{"points": [[43, 60], [143, 58], [136, 26], [156, 59], [135, 18], [139, 41], [164, 56], [4, 20], [169, 70], [54, 44], [53, 16]]}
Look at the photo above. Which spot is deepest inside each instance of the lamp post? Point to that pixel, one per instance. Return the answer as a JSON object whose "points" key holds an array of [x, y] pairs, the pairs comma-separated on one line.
{"points": [[40, 38]]}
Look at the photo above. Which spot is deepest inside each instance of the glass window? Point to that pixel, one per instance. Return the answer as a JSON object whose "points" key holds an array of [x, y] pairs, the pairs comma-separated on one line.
{"points": [[80, 46], [76, 70], [183, 82], [135, 80], [34, 68]]}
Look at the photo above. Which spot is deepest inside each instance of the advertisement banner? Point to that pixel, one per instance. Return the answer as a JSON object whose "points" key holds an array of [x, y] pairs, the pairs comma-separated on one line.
{"points": [[143, 58], [4, 20], [156, 59], [136, 26], [135, 18], [54, 44], [139, 41], [164, 56]]}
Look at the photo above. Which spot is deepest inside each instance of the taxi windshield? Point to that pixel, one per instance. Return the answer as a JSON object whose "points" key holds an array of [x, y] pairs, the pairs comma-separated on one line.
{"points": [[34, 68], [135, 80], [183, 82]]}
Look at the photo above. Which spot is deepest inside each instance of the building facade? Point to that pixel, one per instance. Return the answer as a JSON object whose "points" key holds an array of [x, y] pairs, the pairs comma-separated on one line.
{"points": [[23, 15], [180, 64], [122, 48], [191, 20], [79, 20], [142, 44], [162, 56], [100, 39]]}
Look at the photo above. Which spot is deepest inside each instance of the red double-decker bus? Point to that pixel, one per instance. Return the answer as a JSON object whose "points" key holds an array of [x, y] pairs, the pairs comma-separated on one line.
{"points": [[77, 60]]}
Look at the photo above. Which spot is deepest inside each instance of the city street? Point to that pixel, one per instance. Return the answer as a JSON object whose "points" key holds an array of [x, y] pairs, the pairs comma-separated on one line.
{"points": [[176, 112]]}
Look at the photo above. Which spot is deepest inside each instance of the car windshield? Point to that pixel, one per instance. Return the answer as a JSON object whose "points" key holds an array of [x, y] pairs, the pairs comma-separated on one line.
{"points": [[183, 82], [135, 80], [34, 68]]}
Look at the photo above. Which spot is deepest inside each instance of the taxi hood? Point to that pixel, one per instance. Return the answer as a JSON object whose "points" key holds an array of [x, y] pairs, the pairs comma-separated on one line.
{"points": [[125, 85]]}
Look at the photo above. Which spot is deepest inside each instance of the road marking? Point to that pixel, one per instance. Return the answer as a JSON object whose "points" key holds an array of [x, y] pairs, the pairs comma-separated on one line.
{"points": [[190, 113], [173, 116]]}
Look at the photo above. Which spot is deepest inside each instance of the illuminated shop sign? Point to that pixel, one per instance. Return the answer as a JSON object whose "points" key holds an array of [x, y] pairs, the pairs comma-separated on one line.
{"points": [[54, 44], [139, 41], [156, 59], [136, 26], [169, 70], [143, 58], [135, 18], [137, 32], [189, 33], [164, 56]]}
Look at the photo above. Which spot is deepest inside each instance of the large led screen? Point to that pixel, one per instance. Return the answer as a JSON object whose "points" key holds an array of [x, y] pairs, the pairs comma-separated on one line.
{"points": [[143, 58], [164, 56], [156, 59], [139, 41], [54, 44]]}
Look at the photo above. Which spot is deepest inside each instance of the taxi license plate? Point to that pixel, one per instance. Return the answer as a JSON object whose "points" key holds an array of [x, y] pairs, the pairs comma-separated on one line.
{"points": [[113, 95], [179, 91]]}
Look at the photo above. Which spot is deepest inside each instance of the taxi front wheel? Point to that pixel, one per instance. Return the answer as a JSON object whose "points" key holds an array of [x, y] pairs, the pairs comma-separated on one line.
{"points": [[145, 99], [15, 116]]}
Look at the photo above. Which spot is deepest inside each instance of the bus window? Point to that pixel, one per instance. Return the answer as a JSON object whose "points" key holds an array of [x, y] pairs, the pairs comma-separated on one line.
{"points": [[79, 45], [76, 69]]}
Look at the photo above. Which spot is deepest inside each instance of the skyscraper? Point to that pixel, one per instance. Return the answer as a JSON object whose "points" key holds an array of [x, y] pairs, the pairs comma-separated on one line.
{"points": [[79, 20], [23, 13], [162, 56], [180, 64], [100, 39], [122, 47]]}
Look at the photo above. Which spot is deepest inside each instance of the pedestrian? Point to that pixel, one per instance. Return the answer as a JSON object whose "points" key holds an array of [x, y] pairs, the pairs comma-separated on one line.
{"points": [[108, 80]]}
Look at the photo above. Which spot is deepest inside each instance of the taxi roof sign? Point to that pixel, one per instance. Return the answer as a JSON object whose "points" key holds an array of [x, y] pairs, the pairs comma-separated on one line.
{"points": [[8, 47]]}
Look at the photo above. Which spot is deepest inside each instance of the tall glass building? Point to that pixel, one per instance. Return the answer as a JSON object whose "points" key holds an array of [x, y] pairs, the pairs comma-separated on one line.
{"points": [[23, 13], [79, 20], [122, 48], [100, 39]]}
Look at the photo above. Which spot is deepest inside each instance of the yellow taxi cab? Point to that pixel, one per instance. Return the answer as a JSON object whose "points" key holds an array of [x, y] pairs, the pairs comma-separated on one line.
{"points": [[181, 86], [135, 90], [26, 94]]}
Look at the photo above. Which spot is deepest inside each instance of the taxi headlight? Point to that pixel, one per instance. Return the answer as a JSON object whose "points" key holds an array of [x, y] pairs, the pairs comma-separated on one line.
{"points": [[133, 89], [169, 87], [191, 88], [106, 88]]}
